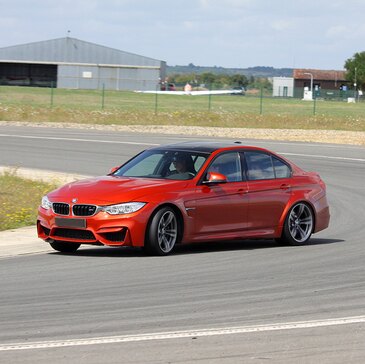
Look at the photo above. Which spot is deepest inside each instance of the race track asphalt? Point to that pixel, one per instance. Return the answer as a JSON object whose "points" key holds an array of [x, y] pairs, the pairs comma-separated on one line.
{"points": [[265, 302]]}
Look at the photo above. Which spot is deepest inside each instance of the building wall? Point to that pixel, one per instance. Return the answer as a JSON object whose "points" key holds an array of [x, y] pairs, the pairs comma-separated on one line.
{"points": [[324, 84], [111, 78], [283, 87]]}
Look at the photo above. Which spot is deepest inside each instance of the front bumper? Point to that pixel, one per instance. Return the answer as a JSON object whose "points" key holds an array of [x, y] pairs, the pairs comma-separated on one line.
{"points": [[101, 229]]}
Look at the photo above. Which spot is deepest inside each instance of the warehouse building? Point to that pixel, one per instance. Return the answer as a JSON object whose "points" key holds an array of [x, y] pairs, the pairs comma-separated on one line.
{"points": [[76, 64]]}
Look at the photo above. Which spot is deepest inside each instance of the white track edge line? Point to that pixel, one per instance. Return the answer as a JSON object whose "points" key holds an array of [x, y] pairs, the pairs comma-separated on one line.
{"points": [[156, 144], [76, 139], [183, 334]]}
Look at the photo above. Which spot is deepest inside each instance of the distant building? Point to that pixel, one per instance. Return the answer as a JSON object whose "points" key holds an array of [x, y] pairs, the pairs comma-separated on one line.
{"points": [[326, 83], [283, 86], [322, 79], [76, 64]]}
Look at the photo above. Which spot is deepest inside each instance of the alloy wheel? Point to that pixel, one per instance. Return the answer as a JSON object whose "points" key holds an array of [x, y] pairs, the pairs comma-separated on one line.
{"points": [[300, 222], [167, 231]]}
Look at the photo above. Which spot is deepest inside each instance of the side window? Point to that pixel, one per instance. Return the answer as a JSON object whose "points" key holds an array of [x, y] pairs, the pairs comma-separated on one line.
{"points": [[229, 165], [259, 166], [281, 169]]}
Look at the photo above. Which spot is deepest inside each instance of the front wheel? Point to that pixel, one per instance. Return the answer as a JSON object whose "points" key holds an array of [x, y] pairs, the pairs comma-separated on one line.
{"points": [[298, 225], [64, 247], [163, 232]]}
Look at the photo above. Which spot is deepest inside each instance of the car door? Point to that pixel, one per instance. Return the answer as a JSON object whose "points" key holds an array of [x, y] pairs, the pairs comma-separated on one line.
{"points": [[222, 208], [269, 190]]}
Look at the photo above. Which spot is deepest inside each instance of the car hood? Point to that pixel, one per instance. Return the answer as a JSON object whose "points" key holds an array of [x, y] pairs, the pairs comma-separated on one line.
{"points": [[109, 190]]}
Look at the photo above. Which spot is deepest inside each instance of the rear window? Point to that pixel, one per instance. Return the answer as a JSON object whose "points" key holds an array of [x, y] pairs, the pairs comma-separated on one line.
{"points": [[281, 169], [259, 166]]}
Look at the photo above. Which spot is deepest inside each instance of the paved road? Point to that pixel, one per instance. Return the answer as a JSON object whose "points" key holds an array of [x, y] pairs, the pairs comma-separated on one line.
{"points": [[99, 304]]}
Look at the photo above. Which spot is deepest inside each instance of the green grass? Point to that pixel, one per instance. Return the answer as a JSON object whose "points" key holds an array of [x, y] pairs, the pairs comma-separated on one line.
{"points": [[129, 108], [19, 200]]}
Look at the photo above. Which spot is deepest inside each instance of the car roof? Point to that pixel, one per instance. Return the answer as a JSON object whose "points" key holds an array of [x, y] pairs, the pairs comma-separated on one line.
{"points": [[208, 146]]}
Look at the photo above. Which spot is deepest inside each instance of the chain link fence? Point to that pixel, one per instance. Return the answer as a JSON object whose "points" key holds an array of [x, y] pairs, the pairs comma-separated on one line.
{"points": [[250, 101]]}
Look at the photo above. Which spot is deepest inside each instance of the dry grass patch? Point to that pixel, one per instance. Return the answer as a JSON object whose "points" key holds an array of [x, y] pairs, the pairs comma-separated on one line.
{"points": [[19, 200]]}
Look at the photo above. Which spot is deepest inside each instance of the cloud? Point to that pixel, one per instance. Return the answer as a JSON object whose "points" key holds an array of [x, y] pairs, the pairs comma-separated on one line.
{"points": [[282, 24], [337, 31]]}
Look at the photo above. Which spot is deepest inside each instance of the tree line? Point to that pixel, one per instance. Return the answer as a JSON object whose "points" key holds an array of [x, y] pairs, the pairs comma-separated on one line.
{"points": [[355, 73], [214, 81]]}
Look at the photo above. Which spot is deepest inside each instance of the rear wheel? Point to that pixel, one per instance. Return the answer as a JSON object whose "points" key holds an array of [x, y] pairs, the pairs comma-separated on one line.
{"points": [[298, 225], [64, 247], [163, 232]]}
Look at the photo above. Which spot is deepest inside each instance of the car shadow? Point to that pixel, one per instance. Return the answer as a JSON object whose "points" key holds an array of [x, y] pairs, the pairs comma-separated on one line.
{"points": [[195, 248], [245, 245], [319, 241]]}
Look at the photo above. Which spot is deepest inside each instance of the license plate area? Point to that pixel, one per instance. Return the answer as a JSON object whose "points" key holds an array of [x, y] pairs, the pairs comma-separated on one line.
{"points": [[70, 223]]}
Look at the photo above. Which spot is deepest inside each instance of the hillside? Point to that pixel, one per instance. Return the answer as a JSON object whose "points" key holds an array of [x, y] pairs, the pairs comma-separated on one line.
{"points": [[251, 71]]}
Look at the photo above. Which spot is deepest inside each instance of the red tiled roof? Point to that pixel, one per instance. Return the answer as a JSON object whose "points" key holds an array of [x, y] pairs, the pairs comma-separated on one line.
{"points": [[324, 75]]}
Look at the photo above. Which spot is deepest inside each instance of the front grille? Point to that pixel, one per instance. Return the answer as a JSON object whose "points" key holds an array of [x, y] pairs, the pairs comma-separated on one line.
{"points": [[74, 234], [84, 210], [61, 208]]}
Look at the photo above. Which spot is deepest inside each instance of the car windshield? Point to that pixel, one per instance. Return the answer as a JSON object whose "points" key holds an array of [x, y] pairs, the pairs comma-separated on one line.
{"points": [[167, 164]]}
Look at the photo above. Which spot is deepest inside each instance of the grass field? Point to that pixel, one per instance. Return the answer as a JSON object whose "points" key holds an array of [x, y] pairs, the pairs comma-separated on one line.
{"points": [[19, 200], [129, 108]]}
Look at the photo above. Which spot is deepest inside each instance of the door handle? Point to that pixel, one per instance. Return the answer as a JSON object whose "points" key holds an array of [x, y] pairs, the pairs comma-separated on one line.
{"points": [[242, 191], [285, 187]]}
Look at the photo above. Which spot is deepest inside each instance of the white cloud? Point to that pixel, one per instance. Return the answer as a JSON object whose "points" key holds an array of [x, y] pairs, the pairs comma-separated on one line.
{"points": [[337, 31], [189, 25], [282, 24]]}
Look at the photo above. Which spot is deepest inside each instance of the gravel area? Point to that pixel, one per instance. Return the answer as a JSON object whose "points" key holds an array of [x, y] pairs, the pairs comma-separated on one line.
{"points": [[320, 136]]}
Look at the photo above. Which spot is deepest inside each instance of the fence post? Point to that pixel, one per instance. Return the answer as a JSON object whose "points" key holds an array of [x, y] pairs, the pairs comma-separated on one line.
{"points": [[103, 97], [51, 93], [261, 97], [156, 99], [210, 98], [314, 105]]}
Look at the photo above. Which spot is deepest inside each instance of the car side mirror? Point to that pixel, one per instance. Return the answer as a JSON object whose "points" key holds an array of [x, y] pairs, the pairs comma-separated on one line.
{"points": [[215, 178]]}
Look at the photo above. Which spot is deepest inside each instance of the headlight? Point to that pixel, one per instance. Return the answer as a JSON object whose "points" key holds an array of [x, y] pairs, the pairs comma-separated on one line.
{"points": [[124, 208], [46, 203]]}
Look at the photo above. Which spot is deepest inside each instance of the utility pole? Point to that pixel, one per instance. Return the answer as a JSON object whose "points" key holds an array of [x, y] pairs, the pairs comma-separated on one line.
{"points": [[355, 83]]}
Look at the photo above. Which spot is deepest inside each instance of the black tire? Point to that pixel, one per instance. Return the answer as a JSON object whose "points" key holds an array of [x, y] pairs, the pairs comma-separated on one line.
{"points": [[299, 224], [163, 232], [64, 247]]}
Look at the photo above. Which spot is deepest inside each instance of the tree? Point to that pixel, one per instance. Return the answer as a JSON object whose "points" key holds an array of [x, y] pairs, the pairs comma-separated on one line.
{"points": [[182, 79], [355, 68], [260, 82], [207, 77], [239, 80]]}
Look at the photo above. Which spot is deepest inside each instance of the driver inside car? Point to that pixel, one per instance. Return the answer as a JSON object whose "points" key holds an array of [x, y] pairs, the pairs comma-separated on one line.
{"points": [[184, 167]]}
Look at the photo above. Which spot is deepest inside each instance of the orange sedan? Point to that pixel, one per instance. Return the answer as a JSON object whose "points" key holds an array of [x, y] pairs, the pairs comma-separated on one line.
{"points": [[185, 193]]}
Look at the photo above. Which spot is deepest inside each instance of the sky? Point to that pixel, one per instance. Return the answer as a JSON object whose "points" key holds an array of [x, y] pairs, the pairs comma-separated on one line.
{"points": [[317, 34]]}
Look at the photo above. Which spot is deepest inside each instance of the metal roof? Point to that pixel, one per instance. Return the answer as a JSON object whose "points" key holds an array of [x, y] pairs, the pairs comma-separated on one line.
{"points": [[330, 75], [72, 50]]}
